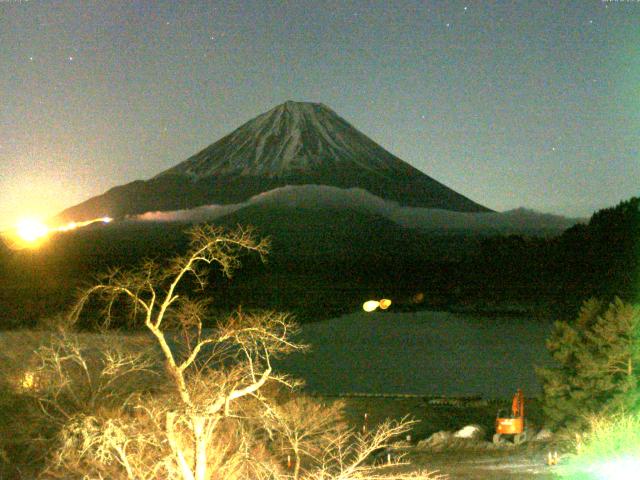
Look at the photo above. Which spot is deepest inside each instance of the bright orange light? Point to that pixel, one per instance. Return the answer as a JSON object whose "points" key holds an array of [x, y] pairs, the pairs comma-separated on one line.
{"points": [[30, 233], [31, 230], [74, 225], [371, 305], [385, 303]]}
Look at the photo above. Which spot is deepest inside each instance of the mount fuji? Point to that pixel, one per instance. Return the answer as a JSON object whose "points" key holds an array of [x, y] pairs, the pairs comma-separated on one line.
{"points": [[293, 144]]}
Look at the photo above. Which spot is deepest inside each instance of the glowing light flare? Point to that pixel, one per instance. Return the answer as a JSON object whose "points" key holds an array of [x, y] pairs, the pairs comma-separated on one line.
{"points": [[625, 468], [30, 232], [73, 225], [372, 305], [28, 381], [385, 303]]}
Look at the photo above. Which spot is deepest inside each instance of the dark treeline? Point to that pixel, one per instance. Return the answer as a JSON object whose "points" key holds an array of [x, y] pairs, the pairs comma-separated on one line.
{"points": [[601, 258], [325, 263]]}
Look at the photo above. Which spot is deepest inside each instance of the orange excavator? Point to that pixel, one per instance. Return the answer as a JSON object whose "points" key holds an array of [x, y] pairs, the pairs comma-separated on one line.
{"points": [[512, 425]]}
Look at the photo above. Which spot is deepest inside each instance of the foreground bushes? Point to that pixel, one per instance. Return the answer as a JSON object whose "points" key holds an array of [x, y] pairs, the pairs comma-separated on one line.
{"points": [[609, 449], [189, 403]]}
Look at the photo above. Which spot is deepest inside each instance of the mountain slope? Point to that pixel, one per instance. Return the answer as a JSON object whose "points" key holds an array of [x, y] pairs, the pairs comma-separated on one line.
{"points": [[293, 144]]}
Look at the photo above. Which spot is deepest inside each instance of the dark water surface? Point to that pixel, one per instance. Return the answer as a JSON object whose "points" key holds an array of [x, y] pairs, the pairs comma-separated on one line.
{"points": [[430, 353]]}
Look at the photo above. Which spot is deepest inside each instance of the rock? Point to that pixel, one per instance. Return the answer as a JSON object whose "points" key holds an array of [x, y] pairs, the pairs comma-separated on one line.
{"points": [[543, 435], [471, 432], [437, 439]]}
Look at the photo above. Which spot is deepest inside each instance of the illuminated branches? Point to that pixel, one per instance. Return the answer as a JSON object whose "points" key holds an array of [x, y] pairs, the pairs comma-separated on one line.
{"points": [[249, 341], [213, 411]]}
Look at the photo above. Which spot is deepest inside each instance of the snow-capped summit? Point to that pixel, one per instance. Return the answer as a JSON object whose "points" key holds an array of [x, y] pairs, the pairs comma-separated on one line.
{"points": [[295, 143], [292, 138]]}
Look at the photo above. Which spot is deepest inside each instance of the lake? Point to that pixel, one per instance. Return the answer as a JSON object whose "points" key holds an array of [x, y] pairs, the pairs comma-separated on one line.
{"points": [[427, 353]]}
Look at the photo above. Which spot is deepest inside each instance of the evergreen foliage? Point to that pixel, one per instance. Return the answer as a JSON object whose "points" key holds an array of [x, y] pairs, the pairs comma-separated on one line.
{"points": [[604, 256], [598, 364]]}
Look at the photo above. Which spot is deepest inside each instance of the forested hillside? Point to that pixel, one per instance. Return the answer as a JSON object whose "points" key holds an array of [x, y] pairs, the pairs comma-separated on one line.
{"points": [[318, 275]]}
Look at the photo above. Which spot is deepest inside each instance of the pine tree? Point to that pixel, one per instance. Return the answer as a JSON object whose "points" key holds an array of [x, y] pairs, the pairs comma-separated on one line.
{"points": [[597, 364]]}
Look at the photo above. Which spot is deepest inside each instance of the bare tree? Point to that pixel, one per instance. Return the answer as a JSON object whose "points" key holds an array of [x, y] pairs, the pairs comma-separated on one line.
{"points": [[216, 418], [153, 291]]}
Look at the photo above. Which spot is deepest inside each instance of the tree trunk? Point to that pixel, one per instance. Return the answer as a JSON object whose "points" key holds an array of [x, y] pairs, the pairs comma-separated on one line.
{"points": [[200, 438], [296, 468], [187, 474]]}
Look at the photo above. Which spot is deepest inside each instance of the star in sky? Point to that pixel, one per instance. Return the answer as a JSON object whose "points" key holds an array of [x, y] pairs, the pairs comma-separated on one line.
{"points": [[517, 73]]}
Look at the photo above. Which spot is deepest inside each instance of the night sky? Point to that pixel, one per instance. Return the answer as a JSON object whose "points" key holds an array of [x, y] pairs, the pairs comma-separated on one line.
{"points": [[511, 103]]}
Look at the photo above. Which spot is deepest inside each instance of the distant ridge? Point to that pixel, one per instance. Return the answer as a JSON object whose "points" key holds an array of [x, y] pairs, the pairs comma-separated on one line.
{"points": [[295, 143]]}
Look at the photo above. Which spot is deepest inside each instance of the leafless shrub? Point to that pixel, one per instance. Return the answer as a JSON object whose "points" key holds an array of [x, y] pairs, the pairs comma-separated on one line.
{"points": [[71, 378], [348, 455], [46, 378], [303, 428]]}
